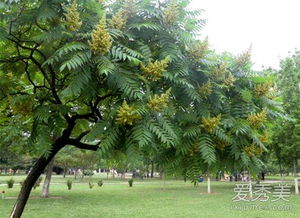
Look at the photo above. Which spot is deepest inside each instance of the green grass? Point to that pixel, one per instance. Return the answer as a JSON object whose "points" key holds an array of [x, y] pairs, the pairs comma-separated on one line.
{"points": [[277, 177], [146, 198]]}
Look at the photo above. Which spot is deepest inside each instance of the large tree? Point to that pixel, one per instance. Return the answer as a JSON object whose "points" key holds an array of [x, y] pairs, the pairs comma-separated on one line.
{"points": [[126, 76]]}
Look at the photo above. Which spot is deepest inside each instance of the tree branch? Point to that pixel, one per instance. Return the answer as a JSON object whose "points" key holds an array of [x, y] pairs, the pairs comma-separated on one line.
{"points": [[82, 145]]}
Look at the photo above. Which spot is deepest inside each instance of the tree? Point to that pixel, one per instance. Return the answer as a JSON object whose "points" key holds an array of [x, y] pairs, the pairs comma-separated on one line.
{"points": [[46, 185], [138, 78], [287, 132], [65, 159]]}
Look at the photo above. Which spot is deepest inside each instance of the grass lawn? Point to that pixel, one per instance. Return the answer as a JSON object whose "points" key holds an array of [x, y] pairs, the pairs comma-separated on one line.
{"points": [[145, 199]]}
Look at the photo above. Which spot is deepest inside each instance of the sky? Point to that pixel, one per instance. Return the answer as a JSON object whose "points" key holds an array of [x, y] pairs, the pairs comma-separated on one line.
{"points": [[271, 26]]}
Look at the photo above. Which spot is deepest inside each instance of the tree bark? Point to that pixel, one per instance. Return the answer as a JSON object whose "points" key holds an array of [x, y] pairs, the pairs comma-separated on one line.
{"points": [[31, 178], [208, 184], [295, 167], [250, 186], [152, 169], [46, 186], [65, 172], [280, 169]]}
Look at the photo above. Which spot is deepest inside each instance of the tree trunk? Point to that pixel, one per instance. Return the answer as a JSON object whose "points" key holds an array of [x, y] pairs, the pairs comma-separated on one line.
{"points": [[65, 172], [280, 168], [75, 173], [295, 167], [45, 191], [31, 178], [250, 185], [208, 184], [152, 169]]}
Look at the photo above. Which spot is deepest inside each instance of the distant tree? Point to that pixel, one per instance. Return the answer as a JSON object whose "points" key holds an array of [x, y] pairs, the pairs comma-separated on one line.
{"points": [[65, 160], [286, 142]]}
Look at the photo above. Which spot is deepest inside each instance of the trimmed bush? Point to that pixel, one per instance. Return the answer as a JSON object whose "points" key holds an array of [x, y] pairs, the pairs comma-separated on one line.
{"points": [[69, 184], [88, 172], [100, 183], [10, 183], [91, 185], [130, 182]]}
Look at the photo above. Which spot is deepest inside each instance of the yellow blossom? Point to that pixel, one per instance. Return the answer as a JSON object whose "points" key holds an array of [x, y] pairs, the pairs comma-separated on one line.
{"points": [[72, 22], [256, 120], [198, 50], [219, 72], [262, 89], [244, 58], [171, 13], [101, 40], [253, 150], [205, 89], [229, 80], [118, 21], [210, 123], [154, 70], [129, 8], [159, 102], [126, 115]]}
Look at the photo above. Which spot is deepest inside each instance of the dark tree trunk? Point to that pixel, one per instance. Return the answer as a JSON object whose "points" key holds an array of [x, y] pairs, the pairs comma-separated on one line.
{"points": [[152, 169], [65, 172], [46, 186], [41, 164], [31, 178]]}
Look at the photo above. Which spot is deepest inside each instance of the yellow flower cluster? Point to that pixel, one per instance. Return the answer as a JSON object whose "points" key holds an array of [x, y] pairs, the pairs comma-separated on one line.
{"points": [[22, 107], [221, 144], [198, 50], [262, 89], [72, 22], [210, 123], [154, 70], [219, 72], [101, 41], [126, 115], [118, 21], [229, 80], [129, 8], [159, 102], [171, 13], [264, 138], [256, 120], [252, 150], [244, 58], [205, 89], [194, 150]]}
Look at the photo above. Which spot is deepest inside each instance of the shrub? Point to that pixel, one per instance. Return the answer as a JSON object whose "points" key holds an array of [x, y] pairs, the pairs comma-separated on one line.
{"points": [[37, 183], [100, 183], [88, 173], [69, 184], [91, 185], [130, 182], [10, 183]]}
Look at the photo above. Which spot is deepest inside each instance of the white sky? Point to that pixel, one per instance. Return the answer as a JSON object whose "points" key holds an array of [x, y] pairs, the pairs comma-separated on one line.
{"points": [[271, 26]]}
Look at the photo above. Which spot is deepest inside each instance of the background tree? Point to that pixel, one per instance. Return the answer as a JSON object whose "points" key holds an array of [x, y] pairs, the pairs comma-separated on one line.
{"points": [[287, 132]]}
